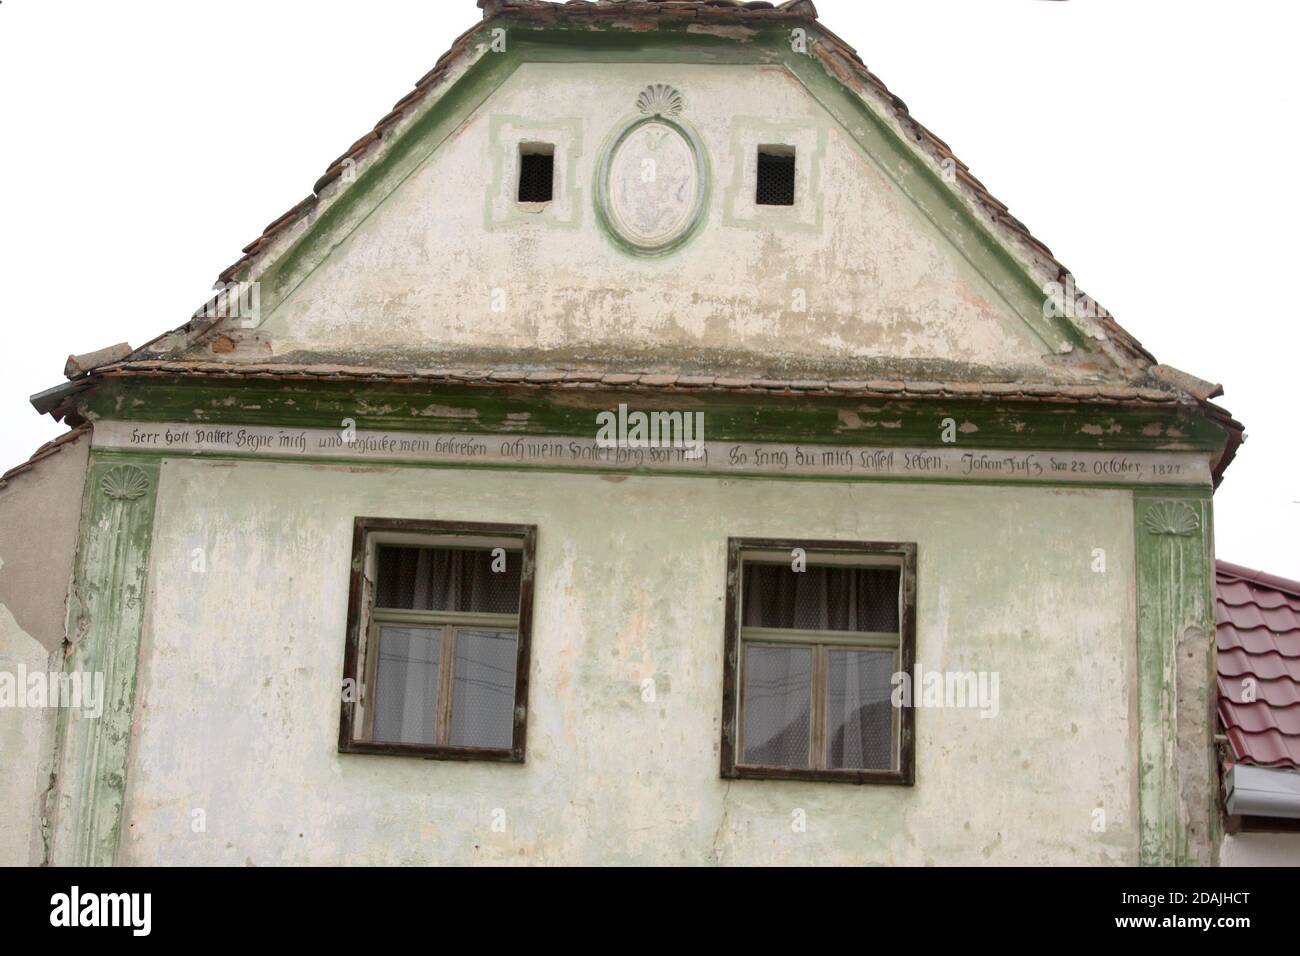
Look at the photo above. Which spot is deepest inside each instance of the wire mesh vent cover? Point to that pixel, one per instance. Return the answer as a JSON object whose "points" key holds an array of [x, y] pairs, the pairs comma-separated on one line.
{"points": [[536, 177], [775, 179]]}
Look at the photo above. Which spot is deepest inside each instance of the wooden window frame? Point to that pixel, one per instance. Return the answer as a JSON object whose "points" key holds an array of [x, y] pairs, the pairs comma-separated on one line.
{"points": [[362, 631], [819, 642]]}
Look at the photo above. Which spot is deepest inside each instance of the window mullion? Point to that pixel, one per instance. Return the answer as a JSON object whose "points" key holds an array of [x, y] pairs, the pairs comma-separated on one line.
{"points": [[818, 704], [369, 670], [447, 661]]}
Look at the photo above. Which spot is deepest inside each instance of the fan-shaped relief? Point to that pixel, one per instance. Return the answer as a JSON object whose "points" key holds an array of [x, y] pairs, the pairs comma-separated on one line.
{"points": [[653, 179], [660, 99], [125, 483], [1171, 517]]}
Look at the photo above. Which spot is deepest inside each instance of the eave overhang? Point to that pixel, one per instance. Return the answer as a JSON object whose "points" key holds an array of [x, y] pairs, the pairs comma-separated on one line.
{"points": [[1009, 415]]}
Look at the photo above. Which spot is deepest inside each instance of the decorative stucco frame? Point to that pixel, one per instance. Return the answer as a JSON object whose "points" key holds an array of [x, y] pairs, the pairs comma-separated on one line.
{"points": [[1175, 693], [653, 113], [506, 136]]}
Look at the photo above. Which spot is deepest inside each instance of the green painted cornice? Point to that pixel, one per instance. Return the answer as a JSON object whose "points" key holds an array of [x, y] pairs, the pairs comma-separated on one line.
{"points": [[434, 407]]}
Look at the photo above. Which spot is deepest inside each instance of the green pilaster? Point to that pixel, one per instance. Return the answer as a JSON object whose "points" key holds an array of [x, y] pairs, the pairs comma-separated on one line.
{"points": [[1175, 628], [105, 616]]}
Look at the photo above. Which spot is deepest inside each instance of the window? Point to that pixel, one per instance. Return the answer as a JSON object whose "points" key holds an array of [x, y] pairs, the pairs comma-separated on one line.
{"points": [[815, 633], [775, 176], [439, 619], [536, 172]]}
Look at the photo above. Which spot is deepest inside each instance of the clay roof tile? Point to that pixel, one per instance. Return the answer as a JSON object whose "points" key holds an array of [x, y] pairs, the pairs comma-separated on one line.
{"points": [[1258, 638]]}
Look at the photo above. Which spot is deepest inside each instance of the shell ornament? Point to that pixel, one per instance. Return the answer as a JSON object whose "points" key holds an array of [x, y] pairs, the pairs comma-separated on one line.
{"points": [[125, 483], [1171, 517], [660, 99]]}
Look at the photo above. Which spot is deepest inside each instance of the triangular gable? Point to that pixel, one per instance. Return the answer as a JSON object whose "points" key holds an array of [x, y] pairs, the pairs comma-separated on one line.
{"points": [[990, 324]]}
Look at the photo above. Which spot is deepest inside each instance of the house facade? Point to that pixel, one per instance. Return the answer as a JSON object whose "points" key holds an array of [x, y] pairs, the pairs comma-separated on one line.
{"points": [[649, 444]]}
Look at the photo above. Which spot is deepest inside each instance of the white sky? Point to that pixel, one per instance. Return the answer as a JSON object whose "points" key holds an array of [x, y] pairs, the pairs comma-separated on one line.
{"points": [[1153, 144]]}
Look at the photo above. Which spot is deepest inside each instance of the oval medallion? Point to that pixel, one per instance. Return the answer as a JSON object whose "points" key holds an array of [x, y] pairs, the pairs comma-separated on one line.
{"points": [[653, 179]]}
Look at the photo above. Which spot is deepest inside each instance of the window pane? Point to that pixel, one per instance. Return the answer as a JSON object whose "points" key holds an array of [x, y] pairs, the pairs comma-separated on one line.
{"points": [[406, 685], [859, 713], [776, 705], [483, 695], [447, 579], [821, 598]]}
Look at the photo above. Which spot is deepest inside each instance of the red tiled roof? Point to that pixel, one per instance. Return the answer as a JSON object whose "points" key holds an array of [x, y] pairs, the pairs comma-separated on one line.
{"points": [[1258, 636]]}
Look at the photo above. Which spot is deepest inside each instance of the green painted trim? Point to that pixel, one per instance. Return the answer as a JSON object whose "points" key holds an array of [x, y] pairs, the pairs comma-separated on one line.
{"points": [[518, 410], [409, 152], [105, 620], [923, 184], [1175, 632], [986, 252]]}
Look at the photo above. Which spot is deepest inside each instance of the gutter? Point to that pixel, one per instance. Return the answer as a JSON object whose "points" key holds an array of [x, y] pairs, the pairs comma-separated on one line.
{"points": [[1263, 792]]}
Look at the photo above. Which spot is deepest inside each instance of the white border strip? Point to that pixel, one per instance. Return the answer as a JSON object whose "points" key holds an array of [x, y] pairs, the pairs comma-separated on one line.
{"points": [[849, 462]]}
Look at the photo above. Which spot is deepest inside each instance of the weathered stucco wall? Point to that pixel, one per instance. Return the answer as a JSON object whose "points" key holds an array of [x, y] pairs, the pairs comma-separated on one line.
{"points": [[39, 514], [1260, 849], [238, 703], [40, 511], [26, 740], [450, 262]]}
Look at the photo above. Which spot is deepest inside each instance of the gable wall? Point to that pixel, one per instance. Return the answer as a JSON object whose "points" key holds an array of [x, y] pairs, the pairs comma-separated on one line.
{"points": [[450, 262]]}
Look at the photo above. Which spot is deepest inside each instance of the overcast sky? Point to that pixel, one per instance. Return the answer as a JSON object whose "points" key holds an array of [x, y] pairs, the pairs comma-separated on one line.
{"points": [[1152, 144]]}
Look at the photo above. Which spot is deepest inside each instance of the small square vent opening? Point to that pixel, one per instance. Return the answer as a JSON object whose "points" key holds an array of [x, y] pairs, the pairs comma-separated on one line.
{"points": [[536, 172], [775, 176]]}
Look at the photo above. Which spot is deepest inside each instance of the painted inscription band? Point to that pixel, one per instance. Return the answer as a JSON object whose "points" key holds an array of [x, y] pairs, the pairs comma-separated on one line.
{"points": [[726, 457]]}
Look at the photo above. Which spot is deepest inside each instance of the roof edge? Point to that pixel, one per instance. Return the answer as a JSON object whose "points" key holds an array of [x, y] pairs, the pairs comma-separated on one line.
{"points": [[48, 450], [1243, 573]]}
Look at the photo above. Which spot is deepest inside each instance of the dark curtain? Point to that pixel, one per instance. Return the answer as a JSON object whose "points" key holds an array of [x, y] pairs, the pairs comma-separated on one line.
{"points": [[821, 598], [447, 579]]}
